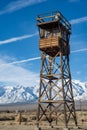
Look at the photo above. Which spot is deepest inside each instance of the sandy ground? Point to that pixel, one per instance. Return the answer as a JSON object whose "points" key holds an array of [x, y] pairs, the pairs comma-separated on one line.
{"points": [[26, 127], [16, 127], [11, 121]]}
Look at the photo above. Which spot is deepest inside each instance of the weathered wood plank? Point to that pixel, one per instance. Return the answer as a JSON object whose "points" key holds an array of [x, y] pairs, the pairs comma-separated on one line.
{"points": [[49, 42]]}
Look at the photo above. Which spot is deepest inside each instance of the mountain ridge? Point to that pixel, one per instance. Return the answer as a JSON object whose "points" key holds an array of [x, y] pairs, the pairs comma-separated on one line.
{"points": [[20, 94]]}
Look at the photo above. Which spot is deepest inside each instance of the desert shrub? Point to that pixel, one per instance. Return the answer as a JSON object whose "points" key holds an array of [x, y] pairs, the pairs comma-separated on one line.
{"points": [[7, 118], [33, 118], [24, 119]]}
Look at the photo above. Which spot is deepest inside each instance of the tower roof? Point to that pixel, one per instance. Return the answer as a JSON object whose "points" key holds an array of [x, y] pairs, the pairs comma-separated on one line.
{"points": [[51, 20]]}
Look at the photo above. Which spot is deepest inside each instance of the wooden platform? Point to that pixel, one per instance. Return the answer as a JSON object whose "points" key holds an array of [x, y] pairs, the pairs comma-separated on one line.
{"points": [[54, 45]]}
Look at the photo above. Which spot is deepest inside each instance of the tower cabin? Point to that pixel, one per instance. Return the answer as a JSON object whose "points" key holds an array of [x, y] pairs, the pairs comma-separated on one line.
{"points": [[54, 31]]}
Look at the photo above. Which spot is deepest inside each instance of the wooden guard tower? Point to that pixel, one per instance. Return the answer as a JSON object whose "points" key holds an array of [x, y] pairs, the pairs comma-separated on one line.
{"points": [[55, 103]]}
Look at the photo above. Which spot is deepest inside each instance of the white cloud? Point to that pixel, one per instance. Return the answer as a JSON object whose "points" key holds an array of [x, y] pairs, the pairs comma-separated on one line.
{"points": [[78, 20], [11, 73], [38, 58], [26, 60], [78, 72], [18, 4], [80, 50], [17, 74], [14, 39], [32, 59], [21, 61]]}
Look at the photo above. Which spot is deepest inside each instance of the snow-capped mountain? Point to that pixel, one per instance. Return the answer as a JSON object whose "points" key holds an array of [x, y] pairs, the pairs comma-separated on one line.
{"points": [[15, 94], [79, 90]]}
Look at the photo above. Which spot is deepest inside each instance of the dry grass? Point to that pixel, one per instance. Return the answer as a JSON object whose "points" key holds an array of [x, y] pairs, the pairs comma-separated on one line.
{"points": [[27, 120]]}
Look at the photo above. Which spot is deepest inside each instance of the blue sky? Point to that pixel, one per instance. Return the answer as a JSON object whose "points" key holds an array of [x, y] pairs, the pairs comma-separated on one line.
{"points": [[19, 51]]}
